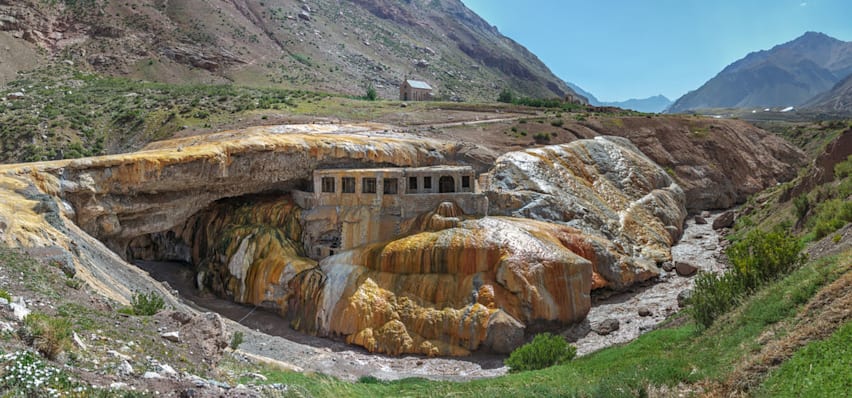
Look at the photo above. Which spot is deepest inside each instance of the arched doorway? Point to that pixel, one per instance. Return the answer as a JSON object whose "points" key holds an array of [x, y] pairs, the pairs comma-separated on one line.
{"points": [[446, 184]]}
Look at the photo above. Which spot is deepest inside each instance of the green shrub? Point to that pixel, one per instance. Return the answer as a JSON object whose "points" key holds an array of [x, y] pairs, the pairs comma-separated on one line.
{"points": [[829, 216], [713, 295], [802, 205], [544, 351], [542, 137], [505, 96], [763, 256], [758, 258], [371, 94], [4, 294], [843, 169], [236, 340], [145, 304], [557, 123], [48, 335]]}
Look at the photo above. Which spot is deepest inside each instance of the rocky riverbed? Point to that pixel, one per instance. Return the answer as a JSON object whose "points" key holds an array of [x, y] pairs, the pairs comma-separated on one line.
{"points": [[622, 317]]}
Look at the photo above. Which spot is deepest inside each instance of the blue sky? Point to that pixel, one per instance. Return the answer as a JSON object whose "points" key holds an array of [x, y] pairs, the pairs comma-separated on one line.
{"points": [[620, 49]]}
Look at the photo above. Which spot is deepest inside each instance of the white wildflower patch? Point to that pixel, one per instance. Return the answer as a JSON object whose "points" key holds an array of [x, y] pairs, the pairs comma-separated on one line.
{"points": [[25, 373]]}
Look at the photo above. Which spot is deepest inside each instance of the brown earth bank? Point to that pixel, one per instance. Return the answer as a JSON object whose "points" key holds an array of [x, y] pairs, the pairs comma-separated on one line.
{"points": [[605, 216]]}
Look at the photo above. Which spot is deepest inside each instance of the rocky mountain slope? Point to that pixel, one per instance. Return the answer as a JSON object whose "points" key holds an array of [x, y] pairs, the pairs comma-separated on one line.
{"points": [[653, 104], [837, 101], [325, 45], [786, 75]]}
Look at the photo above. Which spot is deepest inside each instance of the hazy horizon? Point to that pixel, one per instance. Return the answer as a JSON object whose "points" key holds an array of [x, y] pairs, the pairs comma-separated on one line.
{"points": [[618, 50]]}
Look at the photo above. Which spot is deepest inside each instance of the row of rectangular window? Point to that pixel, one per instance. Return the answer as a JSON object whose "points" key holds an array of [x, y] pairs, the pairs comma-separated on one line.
{"points": [[368, 185], [391, 185]]}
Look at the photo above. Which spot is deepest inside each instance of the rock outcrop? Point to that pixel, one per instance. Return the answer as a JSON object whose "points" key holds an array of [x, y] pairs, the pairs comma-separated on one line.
{"points": [[564, 220], [717, 163], [604, 187]]}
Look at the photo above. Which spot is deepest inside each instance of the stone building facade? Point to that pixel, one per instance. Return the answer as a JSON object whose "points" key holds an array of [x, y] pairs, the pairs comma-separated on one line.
{"points": [[415, 90], [352, 207]]}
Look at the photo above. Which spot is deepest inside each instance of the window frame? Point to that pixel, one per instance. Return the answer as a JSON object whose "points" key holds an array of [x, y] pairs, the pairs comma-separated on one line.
{"points": [[328, 182], [388, 183], [347, 188], [369, 185]]}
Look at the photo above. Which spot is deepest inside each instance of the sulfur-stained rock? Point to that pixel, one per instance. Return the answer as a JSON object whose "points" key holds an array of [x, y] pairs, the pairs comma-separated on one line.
{"points": [[455, 290], [604, 187]]}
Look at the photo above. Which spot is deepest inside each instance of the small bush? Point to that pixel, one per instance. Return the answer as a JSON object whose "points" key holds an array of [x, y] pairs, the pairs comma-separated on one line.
{"points": [[4, 294], [557, 123], [236, 340], [145, 304], [544, 351], [541, 137], [48, 335], [505, 96], [802, 205], [371, 94], [369, 380]]}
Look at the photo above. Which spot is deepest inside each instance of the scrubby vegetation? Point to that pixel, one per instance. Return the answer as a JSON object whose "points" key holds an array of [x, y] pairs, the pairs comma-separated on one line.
{"points": [[145, 304], [66, 113], [507, 96], [545, 350], [758, 258], [49, 335]]}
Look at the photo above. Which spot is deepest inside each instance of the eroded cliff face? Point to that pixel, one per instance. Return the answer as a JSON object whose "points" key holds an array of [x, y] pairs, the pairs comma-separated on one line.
{"points": [[604, 187]]}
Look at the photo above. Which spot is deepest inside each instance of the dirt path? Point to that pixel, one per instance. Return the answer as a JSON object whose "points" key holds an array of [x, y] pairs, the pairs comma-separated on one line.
{"points": [[269, 335]]}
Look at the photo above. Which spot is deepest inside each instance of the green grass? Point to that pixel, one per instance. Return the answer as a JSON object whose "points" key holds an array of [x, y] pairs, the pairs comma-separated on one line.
{"points": [[663, 357], [820, 369]]}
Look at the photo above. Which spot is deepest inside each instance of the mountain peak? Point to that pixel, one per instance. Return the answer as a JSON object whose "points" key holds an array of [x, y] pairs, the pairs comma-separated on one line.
{"points": [[788, 74], [811, 38]]}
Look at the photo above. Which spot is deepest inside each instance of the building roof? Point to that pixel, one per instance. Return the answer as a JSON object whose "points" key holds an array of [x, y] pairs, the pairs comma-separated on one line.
{"points": [[418, 84], [426, 169]]}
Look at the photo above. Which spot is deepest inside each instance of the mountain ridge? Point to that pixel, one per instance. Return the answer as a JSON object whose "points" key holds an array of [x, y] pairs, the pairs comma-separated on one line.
{"points": [[652, 104], [837, 101], [788, 74], [325, 45]]}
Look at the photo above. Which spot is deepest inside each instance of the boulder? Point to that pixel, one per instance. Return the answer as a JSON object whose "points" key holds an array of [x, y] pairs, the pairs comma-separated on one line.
{"points": [[700, 220], [304, 15], [683, 297], [685, 269], [724, 220], [607, 326], [644, 311], [171, 336], [206, 334], [668, 266]]}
